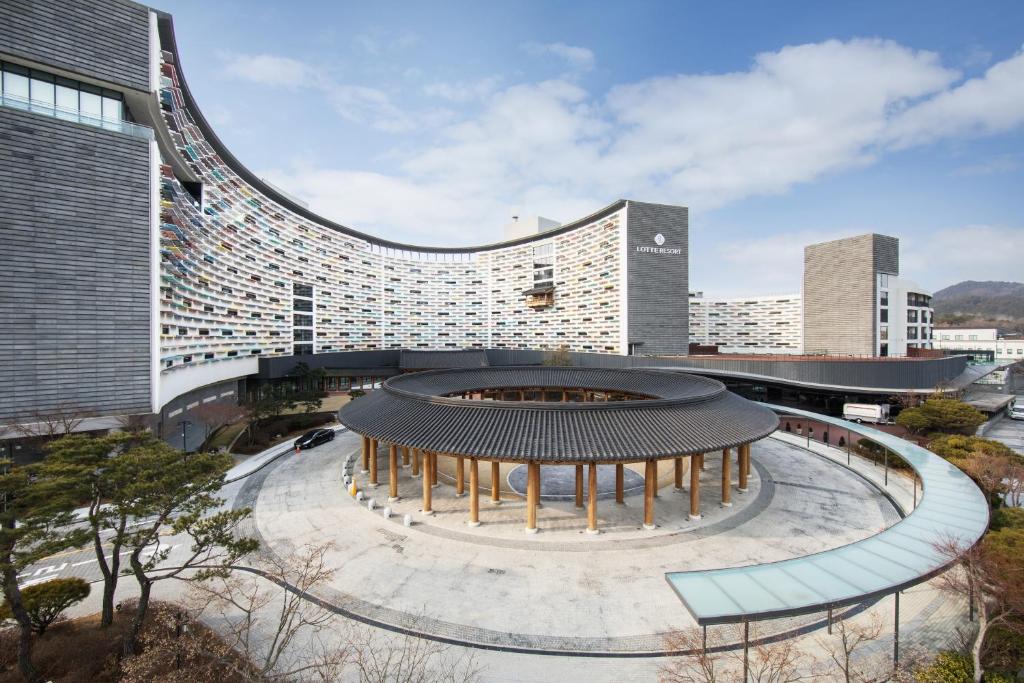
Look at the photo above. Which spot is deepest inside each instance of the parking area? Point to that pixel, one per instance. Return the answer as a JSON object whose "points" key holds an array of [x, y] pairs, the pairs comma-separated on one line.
{"points": [[1010, 432]]}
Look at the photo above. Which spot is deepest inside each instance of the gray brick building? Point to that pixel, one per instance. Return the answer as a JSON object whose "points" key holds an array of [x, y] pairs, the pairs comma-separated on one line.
{"points": [[841, 293]]}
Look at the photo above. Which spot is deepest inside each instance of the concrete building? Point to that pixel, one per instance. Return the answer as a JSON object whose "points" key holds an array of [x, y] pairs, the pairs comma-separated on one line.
{"points": [[981, 342], [854, 302], [145, 262]]}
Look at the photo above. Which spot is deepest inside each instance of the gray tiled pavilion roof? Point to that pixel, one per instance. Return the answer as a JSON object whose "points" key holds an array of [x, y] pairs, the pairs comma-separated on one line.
{"points": [[684, 414], [440, 360]]}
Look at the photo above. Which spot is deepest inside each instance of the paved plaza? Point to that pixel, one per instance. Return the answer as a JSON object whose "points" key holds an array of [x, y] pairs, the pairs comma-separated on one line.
{"points": [[561, 590]]}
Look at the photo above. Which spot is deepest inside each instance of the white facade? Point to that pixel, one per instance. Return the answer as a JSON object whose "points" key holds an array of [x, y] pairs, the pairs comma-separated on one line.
{"points": [[774, 324], [979, 339], [759, 324], [904, 315]]}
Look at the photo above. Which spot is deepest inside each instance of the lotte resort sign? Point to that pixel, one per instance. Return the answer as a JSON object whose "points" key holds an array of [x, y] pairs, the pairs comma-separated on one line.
{"points": [[659, 240]]}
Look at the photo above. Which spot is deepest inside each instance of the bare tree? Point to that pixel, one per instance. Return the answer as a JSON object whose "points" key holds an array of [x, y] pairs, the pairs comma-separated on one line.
{"points": [[997, 473], [847, 639], [767, 661], [381, 657], [215, 415], [772, 662], [57, 422], [992, 572], [280, 633], [703, 666], [135, 424]]}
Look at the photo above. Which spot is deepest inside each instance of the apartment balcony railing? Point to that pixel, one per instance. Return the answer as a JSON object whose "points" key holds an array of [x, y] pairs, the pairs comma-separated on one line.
{"points": [[47, 109]]}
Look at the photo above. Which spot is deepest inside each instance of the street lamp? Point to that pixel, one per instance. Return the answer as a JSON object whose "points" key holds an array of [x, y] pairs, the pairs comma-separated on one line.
{"points": [[184, 434]]}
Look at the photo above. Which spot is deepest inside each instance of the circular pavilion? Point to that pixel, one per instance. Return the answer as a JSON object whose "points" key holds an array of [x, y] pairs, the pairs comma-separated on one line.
{"points": [[556, 416]]}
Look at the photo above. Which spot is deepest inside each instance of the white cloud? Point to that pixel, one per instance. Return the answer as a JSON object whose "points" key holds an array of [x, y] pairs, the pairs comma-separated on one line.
{"points": [[270, 70], [797, 114], [759, 266], [703, 140], [1001, 164], [578, 58], [463, 91], [972, 252], [357, 103], [993, 103], [377, 42]]}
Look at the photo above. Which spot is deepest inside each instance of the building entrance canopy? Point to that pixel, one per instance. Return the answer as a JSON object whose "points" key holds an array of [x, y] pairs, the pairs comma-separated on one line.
{"points": [[952, 510]]}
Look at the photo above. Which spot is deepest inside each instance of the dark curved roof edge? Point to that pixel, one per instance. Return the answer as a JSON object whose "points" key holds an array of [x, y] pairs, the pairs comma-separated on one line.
{"points": [[165, 23], [687, 415]]}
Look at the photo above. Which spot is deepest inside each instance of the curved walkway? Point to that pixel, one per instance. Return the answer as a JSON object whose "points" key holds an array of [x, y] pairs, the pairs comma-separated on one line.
{"points": [[951, 511]]}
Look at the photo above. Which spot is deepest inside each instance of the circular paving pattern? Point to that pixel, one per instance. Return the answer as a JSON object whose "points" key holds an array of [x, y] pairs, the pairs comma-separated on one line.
{"points": [[558, 591]]}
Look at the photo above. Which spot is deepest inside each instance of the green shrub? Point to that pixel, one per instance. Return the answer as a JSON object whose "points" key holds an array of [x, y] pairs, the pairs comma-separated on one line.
{"points": [[45, 602], [959, 446], [941, 415], [948, 667], [1007, 518]]}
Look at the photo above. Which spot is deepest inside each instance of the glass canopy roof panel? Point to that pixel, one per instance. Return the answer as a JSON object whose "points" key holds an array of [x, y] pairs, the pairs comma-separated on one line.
{"points": [[951, 507]]}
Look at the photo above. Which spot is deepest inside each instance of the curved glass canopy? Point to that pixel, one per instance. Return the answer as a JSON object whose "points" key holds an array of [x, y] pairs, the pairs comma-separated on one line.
{"points": [[951, 509]]}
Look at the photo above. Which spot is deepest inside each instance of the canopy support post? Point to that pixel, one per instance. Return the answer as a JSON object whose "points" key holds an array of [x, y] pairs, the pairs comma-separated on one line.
{"points": [[495, 483], [620, 478], [896, 633], [592, 500], [746, 649]]}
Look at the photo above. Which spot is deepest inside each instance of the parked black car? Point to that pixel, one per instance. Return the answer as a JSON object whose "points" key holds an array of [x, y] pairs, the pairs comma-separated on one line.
{"points": [[314, 438]]}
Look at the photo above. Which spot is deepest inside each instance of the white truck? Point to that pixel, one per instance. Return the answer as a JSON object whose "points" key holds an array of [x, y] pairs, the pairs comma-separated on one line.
{"points": [[866, 412]]}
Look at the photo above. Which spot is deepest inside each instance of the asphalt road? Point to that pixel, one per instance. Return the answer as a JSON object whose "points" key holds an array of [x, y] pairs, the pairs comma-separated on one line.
{"points": [[1010, 432]]}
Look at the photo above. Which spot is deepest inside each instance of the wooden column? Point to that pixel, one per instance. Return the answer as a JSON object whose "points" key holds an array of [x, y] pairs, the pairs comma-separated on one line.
{"points": [[495, 482], [392, 473], [579, 486], [679, 474], [474, 492], [592, 500], [415, 462], [702, 461], [620, 478], [460, 476], [726, 478], [433, 469], [366, 454], [694, 488], [531, 498], [405, 456], [650, 484], [427, 491], [743, 456], [373, 462]]}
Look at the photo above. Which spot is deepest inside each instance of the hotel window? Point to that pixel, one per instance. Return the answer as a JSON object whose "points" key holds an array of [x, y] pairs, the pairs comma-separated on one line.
{"points": [[911, 316], [883, 315], [884, 298], [911, 333], [883, 332], [62, 98]]}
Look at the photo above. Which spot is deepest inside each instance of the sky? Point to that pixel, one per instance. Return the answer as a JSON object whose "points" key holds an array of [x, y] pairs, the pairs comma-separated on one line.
{"points": [[778, 124]]}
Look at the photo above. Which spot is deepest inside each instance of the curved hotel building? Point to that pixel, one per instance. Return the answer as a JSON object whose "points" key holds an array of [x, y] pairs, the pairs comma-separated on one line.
{"points": [[145, 261]]}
